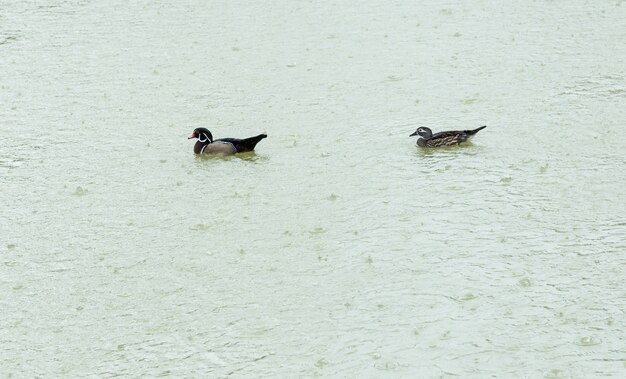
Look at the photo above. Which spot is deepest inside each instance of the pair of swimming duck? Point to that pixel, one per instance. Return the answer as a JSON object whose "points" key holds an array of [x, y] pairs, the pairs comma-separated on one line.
{"points": [[206, 145]]}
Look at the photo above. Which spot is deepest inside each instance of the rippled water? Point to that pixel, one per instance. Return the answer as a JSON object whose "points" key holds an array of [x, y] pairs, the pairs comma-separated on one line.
{"points": [[338, 249]]}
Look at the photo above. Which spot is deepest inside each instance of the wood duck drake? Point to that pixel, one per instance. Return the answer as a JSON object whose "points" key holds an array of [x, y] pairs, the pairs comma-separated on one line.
{"points": [[449, 138], [206, 145]]}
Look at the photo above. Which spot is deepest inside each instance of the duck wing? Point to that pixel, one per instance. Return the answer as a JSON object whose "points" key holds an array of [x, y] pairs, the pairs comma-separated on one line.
{"points": [[243, 144], [450, 133]]}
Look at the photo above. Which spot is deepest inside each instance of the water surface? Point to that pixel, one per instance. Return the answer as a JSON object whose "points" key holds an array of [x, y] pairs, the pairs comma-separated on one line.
{"points": [[338, 249]]}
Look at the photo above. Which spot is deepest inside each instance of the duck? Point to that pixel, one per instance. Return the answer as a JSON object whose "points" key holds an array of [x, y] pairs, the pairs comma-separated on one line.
{"points": [[206, 145], [449, 138]]}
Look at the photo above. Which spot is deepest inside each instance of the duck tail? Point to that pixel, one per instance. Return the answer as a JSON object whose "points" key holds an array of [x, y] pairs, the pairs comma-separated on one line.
{"points": [[251, 142], [476, 130]]}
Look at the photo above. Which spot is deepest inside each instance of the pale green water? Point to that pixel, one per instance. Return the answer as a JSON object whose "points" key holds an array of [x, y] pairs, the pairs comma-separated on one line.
{"points": [[339, 249]]}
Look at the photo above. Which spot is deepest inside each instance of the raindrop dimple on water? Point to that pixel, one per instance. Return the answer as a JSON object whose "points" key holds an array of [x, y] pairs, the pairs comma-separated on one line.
{"points": [[468, 296], [80, 191], [554, 374], [589, 341]]}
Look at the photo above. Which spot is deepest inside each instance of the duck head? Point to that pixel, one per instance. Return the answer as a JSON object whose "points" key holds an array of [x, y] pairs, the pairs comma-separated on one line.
{"points": [[423, 132], [202, 134]]}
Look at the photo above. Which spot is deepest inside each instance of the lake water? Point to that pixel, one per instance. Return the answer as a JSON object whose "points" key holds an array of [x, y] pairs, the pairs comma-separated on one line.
{"points": [[339, 248]]}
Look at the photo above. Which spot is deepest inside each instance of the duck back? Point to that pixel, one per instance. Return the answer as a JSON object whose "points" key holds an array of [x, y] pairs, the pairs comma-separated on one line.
{"points": [[243, 145]]}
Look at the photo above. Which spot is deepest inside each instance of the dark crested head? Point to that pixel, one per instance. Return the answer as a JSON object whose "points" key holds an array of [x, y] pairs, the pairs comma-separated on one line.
{"points": [[423, 131], [203, 134]]}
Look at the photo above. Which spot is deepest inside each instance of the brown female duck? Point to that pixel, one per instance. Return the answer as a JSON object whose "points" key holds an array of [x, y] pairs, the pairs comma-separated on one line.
{"points": [[449, 138]]}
